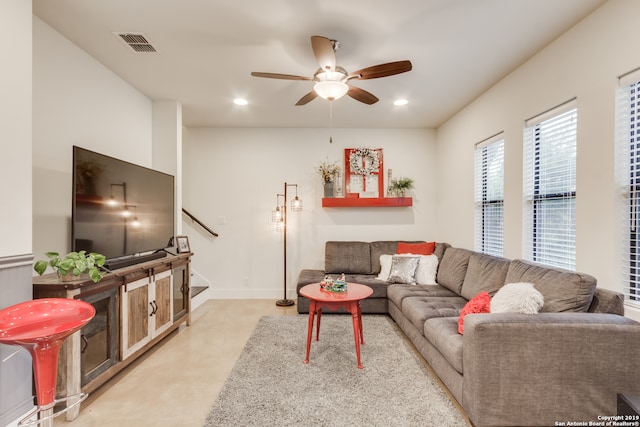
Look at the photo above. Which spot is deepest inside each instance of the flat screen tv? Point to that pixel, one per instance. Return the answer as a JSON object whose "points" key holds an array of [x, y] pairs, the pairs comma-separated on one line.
{"points": [[121, 210]]}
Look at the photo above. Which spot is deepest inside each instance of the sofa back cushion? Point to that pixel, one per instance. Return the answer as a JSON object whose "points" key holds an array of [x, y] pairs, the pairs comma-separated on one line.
{"points": [[484, 273], [453, 268], [562, 290], [347, 257], [440, 248]]}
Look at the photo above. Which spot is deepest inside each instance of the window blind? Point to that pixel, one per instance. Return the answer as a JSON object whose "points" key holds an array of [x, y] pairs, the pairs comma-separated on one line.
{"points": [[489, 196], [628, 184], [550, 187]]}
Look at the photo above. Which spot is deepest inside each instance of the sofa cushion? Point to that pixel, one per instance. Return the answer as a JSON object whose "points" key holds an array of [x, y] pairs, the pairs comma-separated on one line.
{"points": [[562, 290], [520, 297], [419, 309], [398, 292], [426, 248], [443, 333], [484, 273], [453, 268], [440, 248], [347, 257], [478, 304]]}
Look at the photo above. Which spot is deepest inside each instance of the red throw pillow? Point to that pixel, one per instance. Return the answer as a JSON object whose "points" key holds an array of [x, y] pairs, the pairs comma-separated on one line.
{"points": [[416, 248], [478, 304]]}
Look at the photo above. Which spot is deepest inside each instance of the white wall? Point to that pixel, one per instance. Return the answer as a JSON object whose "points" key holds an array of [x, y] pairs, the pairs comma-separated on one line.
{"points": [[232, 176], [15, 127], [584, 63], [76, 101]]}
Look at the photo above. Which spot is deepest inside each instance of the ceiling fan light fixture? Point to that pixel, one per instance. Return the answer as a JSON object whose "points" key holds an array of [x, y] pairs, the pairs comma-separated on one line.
{"points": [[331, 90]]}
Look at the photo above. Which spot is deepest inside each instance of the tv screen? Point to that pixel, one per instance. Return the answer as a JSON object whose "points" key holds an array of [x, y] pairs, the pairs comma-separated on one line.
{"points": [[120, 209]]}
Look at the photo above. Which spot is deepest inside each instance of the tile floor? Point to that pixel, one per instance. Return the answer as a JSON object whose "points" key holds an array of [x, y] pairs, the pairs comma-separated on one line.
{"points": [[176, 382]]}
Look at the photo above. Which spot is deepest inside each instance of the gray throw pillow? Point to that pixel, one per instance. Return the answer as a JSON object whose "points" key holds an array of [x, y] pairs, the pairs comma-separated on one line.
{"points": [[403, 269]]}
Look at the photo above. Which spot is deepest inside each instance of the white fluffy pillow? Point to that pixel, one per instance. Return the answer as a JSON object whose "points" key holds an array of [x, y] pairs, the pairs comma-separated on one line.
{"points": [[427, 268], [385, 267], [425, 273], [517, 298]]}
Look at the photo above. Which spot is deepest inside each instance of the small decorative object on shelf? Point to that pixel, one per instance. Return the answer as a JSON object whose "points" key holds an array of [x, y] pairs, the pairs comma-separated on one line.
{"points": [[182, 244], [328, 173], [400, 186]]}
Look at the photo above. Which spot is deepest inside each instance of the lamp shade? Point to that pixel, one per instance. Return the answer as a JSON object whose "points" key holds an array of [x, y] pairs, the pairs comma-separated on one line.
{"points": [[276, 215], [296, 204], [331, 90]]}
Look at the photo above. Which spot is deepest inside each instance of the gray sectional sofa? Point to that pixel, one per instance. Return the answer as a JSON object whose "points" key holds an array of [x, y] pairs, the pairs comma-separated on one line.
{"points": [[566, 363]]}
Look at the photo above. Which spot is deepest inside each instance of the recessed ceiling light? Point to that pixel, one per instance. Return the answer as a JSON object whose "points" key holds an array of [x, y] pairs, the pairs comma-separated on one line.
{"points": [[240, 101], [400, 102]]}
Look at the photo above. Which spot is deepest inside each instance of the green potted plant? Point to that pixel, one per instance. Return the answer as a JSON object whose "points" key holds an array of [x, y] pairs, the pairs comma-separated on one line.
{"points": [[72, 265], [400, 186]]}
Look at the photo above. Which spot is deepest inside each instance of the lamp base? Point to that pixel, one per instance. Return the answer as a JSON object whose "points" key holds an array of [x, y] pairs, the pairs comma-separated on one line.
{"points": [[284, 303]]}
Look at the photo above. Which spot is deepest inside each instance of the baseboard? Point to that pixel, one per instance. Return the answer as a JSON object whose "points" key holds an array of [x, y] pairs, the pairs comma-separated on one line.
{"points": [[200, 298], [15, 422]]}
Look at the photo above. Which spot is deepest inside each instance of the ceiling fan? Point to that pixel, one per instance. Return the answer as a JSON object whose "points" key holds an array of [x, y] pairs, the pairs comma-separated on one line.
{"points": [[332, 81]]}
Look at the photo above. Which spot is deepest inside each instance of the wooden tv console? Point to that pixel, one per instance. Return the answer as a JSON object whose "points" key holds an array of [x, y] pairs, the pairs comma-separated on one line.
{"points": [[136, 307]]}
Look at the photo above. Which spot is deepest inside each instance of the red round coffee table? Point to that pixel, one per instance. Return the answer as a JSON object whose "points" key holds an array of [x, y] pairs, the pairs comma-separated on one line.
{"points": [[349, 300]]}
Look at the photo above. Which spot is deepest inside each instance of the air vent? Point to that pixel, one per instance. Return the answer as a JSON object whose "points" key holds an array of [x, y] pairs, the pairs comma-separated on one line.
{"points": [[137, 41]]}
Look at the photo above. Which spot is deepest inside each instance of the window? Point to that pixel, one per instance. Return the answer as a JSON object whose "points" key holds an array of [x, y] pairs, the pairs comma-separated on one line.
{"points": [[550, 187], [628, 181], [489, 196]]}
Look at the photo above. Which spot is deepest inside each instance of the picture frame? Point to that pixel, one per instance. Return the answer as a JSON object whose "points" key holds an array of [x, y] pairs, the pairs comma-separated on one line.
{"points": [[363, 185], [182, 244]]}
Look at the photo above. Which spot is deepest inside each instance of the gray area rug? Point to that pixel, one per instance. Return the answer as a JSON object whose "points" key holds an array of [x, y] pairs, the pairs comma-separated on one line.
{"points": [[271, 386]]}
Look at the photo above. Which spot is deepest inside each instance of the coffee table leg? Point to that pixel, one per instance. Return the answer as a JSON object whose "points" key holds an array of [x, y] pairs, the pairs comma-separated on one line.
{"points": [[318, 324], [356, 331], [360, 323], [312, 309]]}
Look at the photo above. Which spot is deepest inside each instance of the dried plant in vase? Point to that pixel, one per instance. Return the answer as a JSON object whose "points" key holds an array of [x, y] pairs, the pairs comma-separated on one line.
{"points": [[328, 171]]}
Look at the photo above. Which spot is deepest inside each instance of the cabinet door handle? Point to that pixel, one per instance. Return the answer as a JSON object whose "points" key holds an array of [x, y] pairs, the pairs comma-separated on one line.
{"points": [[85, 343], [153, 309]]}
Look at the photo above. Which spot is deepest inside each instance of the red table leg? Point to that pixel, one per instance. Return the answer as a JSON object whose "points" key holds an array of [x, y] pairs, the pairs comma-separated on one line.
{"points": [[360, 323], [357, 322], [312, 310], [318, 324]]}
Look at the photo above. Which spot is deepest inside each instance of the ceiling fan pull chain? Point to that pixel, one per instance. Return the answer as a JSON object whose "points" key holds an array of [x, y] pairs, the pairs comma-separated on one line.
{"points": [[330, 122]]}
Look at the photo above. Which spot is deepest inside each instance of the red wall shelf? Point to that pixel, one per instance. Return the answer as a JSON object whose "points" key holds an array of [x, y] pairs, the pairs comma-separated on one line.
{"points": [[356, 202]]}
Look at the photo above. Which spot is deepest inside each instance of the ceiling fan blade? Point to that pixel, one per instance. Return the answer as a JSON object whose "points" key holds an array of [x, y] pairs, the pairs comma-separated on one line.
{"points": [[362, 95], [323, 50], [280, 76], [307, 98], [382, 70]]}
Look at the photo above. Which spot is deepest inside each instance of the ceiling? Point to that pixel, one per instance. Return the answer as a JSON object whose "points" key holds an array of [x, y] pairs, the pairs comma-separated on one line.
{"points": [[206, 50]]}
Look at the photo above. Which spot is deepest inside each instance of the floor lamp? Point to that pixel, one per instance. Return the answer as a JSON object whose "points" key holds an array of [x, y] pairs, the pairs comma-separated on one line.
{"points": [[279, 217]]}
